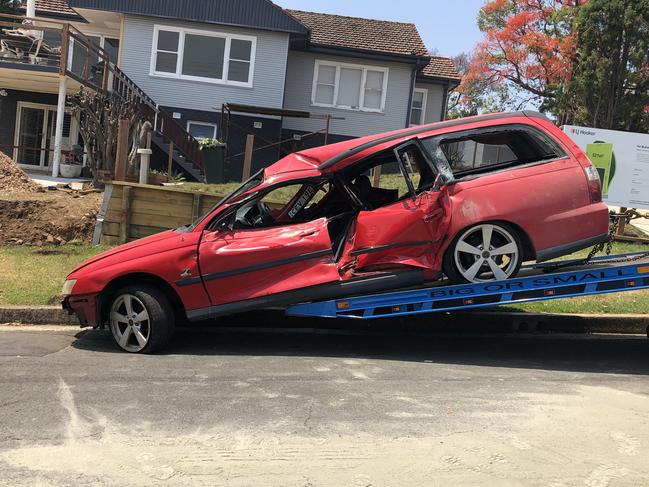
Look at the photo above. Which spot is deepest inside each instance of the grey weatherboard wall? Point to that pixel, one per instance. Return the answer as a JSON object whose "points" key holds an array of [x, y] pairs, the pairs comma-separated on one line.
{"points": [[259, 14], [433, 102], [269, 68], [299, 84]]}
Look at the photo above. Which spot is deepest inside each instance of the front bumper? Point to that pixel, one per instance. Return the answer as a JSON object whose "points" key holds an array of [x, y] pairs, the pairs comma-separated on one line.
{"points": [[85, 306]]}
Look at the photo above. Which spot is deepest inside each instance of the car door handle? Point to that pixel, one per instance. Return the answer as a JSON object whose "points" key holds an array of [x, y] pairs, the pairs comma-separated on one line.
{"points": [[308, 233]]}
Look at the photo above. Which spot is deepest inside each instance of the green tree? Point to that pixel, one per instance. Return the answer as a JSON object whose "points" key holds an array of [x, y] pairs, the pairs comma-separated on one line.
{"points": [[476, 95], [610, 83]]}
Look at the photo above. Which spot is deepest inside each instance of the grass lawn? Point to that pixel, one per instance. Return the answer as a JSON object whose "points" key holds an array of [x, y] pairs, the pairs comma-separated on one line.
{"points": [[634, 302], [35, 275]]}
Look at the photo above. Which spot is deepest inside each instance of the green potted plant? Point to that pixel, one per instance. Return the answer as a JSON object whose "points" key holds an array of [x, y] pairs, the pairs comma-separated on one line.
{"points": [[213, 160]]}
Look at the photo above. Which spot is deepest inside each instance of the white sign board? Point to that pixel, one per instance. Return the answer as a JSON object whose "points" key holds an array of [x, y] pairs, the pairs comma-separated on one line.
{"points": [[622, 161]]}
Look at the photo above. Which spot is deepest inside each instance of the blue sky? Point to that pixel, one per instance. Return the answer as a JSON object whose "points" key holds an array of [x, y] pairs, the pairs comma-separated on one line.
{"points": [[448, 26]]}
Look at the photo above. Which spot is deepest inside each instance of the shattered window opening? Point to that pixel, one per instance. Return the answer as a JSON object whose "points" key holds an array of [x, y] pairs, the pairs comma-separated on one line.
{"points": [[486, 150]]}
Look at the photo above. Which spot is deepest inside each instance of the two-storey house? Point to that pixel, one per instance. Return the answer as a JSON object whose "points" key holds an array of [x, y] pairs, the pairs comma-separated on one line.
{"points": [[291, 78]]}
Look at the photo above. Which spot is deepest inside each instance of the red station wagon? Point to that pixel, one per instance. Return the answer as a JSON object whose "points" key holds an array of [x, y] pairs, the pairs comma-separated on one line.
{"points": [[471, 199]]}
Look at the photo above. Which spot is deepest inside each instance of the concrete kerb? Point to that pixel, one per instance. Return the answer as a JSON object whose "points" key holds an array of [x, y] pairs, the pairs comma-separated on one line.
{"points": [[486, 321], [36, 315]]}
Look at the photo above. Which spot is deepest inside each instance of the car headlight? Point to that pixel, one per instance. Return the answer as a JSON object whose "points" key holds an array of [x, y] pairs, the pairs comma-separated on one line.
{"points": [[67, 286]]}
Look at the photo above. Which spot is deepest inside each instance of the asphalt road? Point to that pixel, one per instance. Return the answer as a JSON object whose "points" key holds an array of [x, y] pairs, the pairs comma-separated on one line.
{"points": [[357, 409]]}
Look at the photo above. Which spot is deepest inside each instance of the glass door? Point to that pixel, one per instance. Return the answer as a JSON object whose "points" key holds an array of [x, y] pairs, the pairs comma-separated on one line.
{"points": [[31, 140]]}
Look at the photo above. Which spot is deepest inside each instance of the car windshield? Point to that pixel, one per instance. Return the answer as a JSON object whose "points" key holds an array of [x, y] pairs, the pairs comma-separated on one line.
{"points": [[251, 183]]}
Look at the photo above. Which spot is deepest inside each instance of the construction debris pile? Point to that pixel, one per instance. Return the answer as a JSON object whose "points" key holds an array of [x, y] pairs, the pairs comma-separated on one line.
{"points": [[32, 215], [13, 179]]}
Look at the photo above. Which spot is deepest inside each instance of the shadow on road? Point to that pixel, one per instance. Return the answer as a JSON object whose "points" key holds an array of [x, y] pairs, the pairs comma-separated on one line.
{"points": [[565, 352]]}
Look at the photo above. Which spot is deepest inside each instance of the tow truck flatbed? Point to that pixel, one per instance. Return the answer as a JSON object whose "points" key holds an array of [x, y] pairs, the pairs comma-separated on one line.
{"points": [[609, 274]]}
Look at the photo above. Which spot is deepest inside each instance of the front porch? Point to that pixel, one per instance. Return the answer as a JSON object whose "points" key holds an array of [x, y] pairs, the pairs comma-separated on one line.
{"points": [[29, 108], [41, 63], [48, 181]]}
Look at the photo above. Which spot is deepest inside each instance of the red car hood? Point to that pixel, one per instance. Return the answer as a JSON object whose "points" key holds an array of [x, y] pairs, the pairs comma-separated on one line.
{"points": [[129, 246]]}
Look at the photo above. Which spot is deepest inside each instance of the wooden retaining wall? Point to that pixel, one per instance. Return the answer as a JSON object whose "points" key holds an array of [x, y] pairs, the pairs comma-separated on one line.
{"points": [[138, 210]]}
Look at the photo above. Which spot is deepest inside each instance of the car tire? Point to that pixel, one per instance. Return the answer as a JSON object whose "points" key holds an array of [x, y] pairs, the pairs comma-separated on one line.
{"points": [[502, 260], [141, 319]]}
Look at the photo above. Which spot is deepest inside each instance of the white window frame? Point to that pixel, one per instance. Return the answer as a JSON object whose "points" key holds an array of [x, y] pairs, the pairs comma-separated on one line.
{"points": [[361, 99], [181, 48], [205, 124], [423, 106], [50, 110]]}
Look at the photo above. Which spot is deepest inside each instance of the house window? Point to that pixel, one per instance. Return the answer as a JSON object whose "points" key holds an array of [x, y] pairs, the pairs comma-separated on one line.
{"points": [[349, 86], [418, 108], [203, 56], [201, 130]]}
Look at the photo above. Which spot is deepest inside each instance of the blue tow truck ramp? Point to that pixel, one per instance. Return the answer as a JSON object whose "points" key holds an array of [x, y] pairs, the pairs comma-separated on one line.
{"points": [[612, 274]]}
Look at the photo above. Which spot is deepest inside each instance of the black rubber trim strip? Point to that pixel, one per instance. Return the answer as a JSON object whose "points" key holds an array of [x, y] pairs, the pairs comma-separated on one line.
{"points": [[190, 281], [256, 267], [338, 289], [423, 129], [379, 248], [569, 248]]}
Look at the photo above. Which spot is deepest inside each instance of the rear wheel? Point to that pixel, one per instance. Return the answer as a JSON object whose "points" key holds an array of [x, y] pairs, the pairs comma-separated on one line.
{"points": [[141, 319], [484, 253]]}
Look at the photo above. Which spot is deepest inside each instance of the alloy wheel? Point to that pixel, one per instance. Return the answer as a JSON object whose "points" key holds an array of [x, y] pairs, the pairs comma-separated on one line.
{"points": [[486, 252], [130, 323]]}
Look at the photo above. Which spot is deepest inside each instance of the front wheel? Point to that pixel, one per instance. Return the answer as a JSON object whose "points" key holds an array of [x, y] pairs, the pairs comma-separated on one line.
{"points": [[141, 319], [484, 253]]}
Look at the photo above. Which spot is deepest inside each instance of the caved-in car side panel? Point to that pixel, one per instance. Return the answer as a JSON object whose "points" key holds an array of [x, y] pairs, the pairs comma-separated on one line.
{"points": [[549, 201], [243, 264], [406, 233]]}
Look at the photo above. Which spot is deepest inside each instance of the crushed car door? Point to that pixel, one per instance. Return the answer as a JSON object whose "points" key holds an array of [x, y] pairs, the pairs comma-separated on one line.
{"points": [[409, 231], [240, 260]]}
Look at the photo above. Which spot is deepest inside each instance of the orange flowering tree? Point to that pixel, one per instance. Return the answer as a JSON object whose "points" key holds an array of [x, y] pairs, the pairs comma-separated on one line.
{"points": [[529, 50]]}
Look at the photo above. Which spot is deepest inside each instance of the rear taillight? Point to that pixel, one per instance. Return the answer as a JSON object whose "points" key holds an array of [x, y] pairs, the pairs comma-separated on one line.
{"points": [[594, 184]]}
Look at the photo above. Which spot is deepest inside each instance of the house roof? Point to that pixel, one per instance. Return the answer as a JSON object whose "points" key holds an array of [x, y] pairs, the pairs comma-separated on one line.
{"points": [[255, 14], [381, 36], [440, 67], [364, 34], [56, 8]]}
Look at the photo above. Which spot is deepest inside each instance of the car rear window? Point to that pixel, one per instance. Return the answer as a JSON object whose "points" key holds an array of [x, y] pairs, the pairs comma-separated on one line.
{"points": [[485, 150]]}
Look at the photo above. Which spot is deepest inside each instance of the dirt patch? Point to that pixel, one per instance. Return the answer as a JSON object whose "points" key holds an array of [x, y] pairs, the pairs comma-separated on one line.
{"points": [[15, 180], [54, 218]]}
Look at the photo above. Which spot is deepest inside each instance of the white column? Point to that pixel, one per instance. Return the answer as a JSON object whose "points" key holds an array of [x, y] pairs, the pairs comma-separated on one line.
{"points": [[145, 158], [58, 131], [31, 8]]}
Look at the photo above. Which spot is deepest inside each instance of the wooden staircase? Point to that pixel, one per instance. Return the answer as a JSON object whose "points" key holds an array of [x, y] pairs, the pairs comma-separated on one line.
{"points": [[188, 166]]}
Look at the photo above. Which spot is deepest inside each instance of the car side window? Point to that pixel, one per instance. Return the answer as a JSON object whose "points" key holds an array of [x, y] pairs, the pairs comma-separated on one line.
{"points": [[393, 175], [485, 150], [286, 205]]}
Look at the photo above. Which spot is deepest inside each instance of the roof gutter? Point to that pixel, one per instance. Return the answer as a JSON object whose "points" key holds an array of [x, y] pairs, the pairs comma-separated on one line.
{"points": [[413, 83], [452, 82], [444, 109], [367, 54]]}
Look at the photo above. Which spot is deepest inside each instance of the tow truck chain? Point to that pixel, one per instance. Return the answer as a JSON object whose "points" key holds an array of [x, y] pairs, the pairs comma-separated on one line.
{"points": [[606, 246], [612, 230]]}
